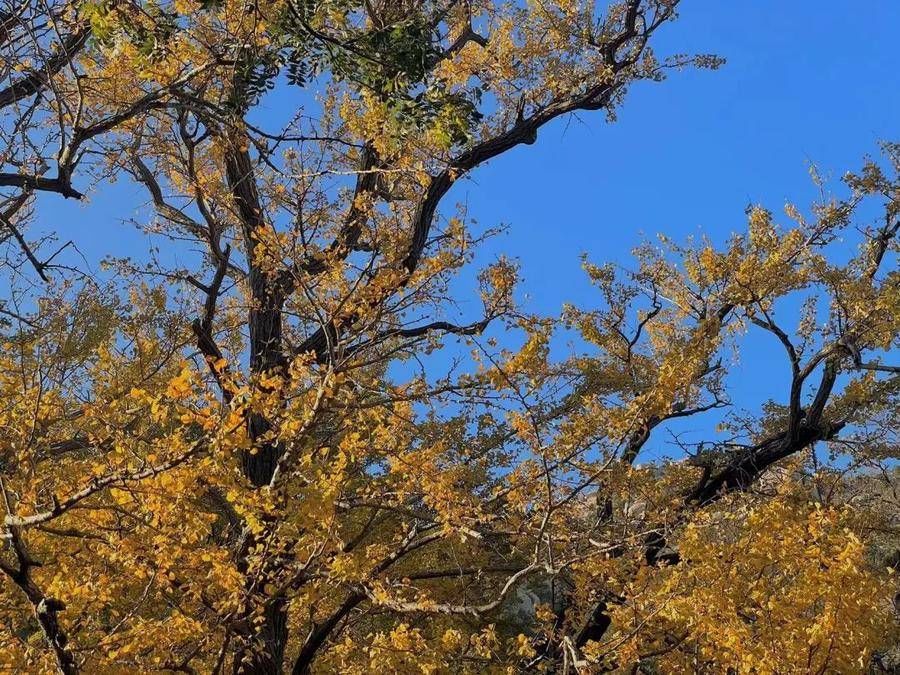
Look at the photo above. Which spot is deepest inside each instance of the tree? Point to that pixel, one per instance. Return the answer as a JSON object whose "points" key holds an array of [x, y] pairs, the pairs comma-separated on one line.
{"points": [[253, 456]]}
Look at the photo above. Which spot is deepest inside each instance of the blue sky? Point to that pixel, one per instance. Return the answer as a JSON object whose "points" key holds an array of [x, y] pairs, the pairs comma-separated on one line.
{"points": [[805, 81]]}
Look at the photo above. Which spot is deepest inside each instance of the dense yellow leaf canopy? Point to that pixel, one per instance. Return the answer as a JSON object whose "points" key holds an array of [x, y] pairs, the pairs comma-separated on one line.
{"points": [[272, 444]]}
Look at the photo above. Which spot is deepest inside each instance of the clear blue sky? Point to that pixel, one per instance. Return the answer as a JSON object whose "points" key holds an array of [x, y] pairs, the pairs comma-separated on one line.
{"points": [[805, 80]]}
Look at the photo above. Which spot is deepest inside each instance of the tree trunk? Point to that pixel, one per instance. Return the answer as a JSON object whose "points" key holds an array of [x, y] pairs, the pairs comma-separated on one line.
{"points": [[263, 654], [266, 356]]}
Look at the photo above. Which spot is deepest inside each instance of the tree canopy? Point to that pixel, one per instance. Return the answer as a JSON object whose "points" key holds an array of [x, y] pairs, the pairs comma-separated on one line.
{"points": [[274, 446]]}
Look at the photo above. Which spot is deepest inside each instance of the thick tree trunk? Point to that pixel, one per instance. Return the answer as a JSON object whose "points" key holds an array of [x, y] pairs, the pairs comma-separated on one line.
{"points": [[266, 356], [263, 653]]}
